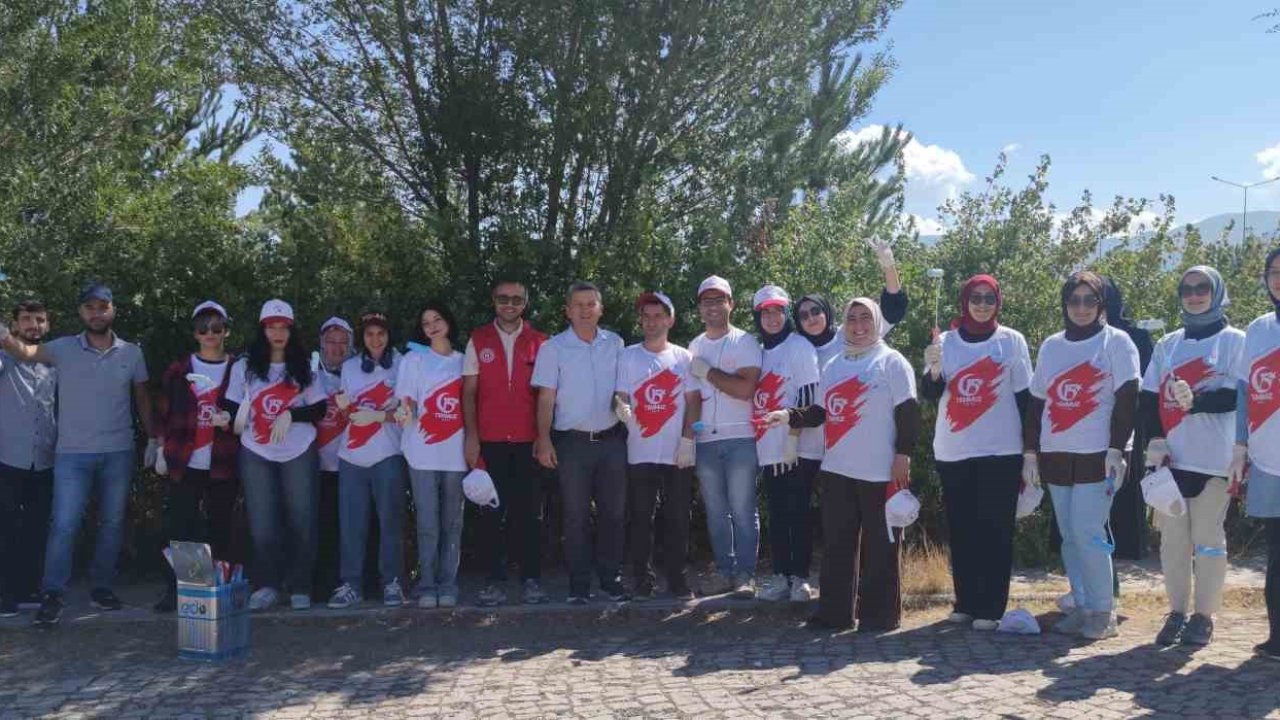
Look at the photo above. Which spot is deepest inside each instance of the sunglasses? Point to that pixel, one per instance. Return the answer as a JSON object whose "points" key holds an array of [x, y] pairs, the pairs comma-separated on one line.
{"points": [[1083, 301], [213, 328], [983, 299], [1193, 290], [512, 300], [806, 315]]}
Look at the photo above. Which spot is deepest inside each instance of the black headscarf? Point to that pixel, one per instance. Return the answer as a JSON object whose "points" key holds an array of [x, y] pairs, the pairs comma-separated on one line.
{"points": [[1265, 267], [826, 335], [1118, 318], [772, 341]]}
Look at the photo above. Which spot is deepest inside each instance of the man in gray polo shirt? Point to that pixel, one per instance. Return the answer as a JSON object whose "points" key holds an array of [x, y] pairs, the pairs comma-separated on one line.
{"points": [[27, 434], [100, 378]]}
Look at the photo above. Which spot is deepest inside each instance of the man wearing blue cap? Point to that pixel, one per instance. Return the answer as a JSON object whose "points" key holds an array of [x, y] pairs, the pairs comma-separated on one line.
{"points": [[101, 378]]}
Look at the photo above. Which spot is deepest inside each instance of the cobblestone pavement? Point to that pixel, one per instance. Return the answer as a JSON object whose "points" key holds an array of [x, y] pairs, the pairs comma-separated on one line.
{"points": [[630, 662]]}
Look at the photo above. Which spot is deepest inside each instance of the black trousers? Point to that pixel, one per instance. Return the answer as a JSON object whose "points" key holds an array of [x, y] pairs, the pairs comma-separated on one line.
{"points": [[1272, 592], [790, 495], [593, 471], [514, 528], [859, 565], [645, 483], [201, 509], [980, 498], [26, 498]]}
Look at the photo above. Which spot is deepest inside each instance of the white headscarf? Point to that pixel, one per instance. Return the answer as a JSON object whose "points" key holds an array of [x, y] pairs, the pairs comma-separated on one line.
{"points": [[850, 349]]}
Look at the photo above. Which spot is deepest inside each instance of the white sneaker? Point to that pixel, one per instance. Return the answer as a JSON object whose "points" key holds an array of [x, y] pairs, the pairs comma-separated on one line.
{"points": [[985, 625], [392, 595], [801, 591], [773, 589], [1100, 625], [263, 599], [1072, 623], [344, 597], [428, 601], [960, 618], [300, 601]]}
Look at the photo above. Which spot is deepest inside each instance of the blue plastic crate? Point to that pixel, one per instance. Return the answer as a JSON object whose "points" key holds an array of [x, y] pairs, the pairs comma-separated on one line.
{"points": [[213, 622]]}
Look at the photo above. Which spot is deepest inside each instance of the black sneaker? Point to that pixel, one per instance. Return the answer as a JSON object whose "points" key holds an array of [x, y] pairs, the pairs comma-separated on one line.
{"points": [[616, 591], [8, 607], [1199, 630], [1169, 635], [50, 611], [1269, 649], [104, 599], [167, 603]]}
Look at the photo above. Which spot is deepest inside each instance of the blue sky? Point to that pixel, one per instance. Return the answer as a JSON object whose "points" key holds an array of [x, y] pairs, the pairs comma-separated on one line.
{"points": [[1129, 97]]}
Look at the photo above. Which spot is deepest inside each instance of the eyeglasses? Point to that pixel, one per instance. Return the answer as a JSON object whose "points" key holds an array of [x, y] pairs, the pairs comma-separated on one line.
{"points": [[983, 299], [1083, 301], [213, 328], [1197, 289], [512, 300], [806, 315]]}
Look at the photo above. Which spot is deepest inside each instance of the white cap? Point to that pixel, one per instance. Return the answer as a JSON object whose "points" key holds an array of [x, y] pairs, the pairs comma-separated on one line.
{"points": [[901, 510], [770, 295], [479, 489], [1029, 498], [1019, 621], [276, 309], [715, 282], [1161, 492], [210, 305], [648, 298], [337, 322]]}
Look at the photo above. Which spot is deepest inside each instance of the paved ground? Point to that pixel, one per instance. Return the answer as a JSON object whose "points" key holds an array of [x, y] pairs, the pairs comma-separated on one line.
{"points": [[718, 659]]}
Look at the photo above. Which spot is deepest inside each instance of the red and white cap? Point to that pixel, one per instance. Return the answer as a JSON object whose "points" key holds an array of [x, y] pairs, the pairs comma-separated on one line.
{"points": [[210, 305], [715, 282], [653, 296], [275, 310], [769, 296]]}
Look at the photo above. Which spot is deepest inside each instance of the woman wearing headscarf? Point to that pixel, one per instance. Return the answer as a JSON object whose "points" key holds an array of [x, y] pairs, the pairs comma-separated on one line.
{"points": [[980, 371], [1187, 406], [1257, 446], [866, 461], [788, 379], [1084, 399]]}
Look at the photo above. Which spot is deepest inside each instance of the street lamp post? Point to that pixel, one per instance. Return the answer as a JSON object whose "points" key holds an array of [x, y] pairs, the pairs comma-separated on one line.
{"points": [[1244, 217]]}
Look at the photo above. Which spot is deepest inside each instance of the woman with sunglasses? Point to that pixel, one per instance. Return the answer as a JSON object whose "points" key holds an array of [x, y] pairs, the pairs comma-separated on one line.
{"points": [[1083, 402], [1256, 453], [980, 372], [198, 449], [1187, 405], [276, 400]]}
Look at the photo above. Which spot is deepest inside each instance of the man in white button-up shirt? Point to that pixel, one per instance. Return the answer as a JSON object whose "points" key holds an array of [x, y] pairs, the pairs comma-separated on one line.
{"points": [[580, 436]]}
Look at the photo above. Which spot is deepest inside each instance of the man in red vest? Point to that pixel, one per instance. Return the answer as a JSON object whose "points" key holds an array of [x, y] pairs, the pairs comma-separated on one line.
{"points": [[499, 407]]}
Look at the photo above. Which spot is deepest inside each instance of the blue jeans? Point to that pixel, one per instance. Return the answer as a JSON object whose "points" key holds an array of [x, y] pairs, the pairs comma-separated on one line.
{"points": [[276, 494], [727, 479], [75, 476], [383, 484], [438, 502], [1082, 511]]}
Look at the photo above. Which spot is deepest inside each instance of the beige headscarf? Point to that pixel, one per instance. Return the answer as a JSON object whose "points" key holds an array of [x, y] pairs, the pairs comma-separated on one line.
{"points": [[851, 350]]}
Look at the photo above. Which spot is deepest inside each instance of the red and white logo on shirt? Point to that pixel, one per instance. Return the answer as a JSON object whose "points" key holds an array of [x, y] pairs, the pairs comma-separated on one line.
{"points": [[267, 406], [1193, 373], [973, 391], [487, 355], [655, 402], [206, 408], [842, 403], [333, 423], [1073, 396], [440, 417], [374, 397], [1264, 395], [768, 398]]}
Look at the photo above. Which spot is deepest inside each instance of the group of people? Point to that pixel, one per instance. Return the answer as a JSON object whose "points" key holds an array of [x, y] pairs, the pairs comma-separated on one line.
{"points": [[813, 399]]}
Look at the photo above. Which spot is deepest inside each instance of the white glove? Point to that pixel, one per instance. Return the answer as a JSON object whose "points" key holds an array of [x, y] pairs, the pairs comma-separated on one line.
{"points": [[1182, 394], [365, 416], [1235, 471], [1157, 452], [1031, 469], [1116, 468], [622, 410], [342, 401], [699, 368], [403, 415], [775, 418], [933, 358], [280, 428], [883, 250], [149, 455], [220, 419], [162, 467], [791, 450], [685, 453]]}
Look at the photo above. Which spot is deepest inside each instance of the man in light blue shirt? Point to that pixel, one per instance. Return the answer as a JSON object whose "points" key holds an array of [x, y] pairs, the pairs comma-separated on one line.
{"points": [[579, 434]]}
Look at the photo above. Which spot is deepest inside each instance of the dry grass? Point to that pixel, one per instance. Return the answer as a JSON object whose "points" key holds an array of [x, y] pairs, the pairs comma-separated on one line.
{"points": [[926, 569]]}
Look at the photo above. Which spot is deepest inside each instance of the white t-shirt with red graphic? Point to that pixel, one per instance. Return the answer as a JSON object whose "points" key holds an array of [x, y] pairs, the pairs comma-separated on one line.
{"points": [[859, 395], [655, 385], [329, 429], [787, 367], [1259, 367], [1199, 442], [1078, 381], [434, 441], [725, 417], [978, 413], [268, 398], [206, 407], [811, 439], [368, 445]]}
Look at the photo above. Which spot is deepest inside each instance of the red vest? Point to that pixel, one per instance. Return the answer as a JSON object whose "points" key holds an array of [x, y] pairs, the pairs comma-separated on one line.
{"points": [[506, 407]]}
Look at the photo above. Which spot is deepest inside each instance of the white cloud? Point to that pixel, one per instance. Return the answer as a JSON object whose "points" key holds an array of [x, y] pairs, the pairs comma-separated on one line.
{"points": [[1011, 148], [1269, 159], [926, 226]]}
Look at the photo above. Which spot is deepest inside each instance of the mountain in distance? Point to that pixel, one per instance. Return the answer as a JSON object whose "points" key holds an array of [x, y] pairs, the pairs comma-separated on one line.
{"points": [[1263, 223]]}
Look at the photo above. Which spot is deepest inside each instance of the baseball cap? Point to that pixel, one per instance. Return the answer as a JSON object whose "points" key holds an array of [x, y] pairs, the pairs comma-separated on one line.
{"points": [[901, 510], [210, 305], [478, 487], [770, 295], [95, 291], [653, 296], [276, 309], [336, 322], [373, 318], [715, 282]]}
